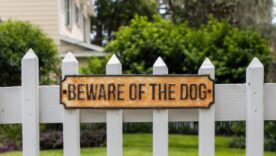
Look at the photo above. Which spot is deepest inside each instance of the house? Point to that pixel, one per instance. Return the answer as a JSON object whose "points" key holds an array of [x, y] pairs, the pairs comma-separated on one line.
{"points": [[67, 22]]}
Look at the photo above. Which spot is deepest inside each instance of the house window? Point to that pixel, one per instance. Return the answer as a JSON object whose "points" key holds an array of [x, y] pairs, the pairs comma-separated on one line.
{"points": [[68, 12], [84, 28], [77, 14]]}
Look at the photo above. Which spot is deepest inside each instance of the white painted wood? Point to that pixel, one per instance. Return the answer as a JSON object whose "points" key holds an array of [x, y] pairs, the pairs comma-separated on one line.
{"points": [[138, 115], [49, 104], [255, 109], [206, 121], [10, 105], [230, 102], [30, 105], [230, 106], [269, 101], [95, 116], [71, 118], [160, 117], [114, 118]]}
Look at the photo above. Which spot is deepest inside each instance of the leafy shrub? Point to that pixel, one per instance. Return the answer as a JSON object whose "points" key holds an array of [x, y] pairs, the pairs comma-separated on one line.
{"points": [[238, 128], [96, 65], [270, 144], [9, 145], [51, 140], [93, 126], [95, 138], [269, 138], [54, 139], [225, 128], [11, 131], [270, 135], [143, 127], [237, 143], [182, 128], [16, 38], [10, 138], [184, 48]]}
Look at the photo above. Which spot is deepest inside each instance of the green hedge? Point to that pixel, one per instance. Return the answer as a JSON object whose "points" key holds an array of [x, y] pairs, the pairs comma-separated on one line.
{"points": [[16, 38], [184, 48]]}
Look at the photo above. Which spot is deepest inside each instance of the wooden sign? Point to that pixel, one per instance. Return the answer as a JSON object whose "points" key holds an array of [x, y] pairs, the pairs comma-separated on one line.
{"points": [[137, 91]]}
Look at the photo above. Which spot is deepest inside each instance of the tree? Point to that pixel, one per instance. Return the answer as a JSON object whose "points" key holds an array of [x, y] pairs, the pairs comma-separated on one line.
{"points": [[111, 14], [16, 38], [254, 13], [196, 11], [241, 13], [184, 48]]}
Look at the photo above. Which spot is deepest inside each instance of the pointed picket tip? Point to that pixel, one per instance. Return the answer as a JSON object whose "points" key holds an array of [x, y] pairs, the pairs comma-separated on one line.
{"points": [[113, 60], [255, 63], [207, 64], [159, 63], [113, 66], [160, 67], [30, 55], [69, 57]]}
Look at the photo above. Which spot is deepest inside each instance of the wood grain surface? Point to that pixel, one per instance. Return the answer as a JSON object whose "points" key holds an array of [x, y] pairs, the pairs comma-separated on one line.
{"points": [[137, 91]]}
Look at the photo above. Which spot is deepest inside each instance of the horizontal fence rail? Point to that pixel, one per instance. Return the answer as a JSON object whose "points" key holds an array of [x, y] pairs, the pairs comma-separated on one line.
{"points": [[230, 101], [31, 104]]}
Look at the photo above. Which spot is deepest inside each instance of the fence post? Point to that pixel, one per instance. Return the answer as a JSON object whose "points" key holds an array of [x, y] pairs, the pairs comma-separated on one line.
{"points": [[160, 117], [71, 118], [30, 104], [206, 119], [255, 109], [114, 118]]}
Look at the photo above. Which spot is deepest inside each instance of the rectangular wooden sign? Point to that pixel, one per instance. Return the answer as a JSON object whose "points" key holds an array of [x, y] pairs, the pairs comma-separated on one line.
{"points": [[136, 91]]}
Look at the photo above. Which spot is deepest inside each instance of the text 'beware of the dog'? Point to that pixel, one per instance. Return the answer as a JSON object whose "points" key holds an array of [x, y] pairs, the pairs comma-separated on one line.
{"points": [[137, 91]]}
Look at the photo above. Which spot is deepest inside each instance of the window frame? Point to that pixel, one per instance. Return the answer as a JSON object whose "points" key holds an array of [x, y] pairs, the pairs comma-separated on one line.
{"points": [[68, 13], [84, 27], [77, 15]]}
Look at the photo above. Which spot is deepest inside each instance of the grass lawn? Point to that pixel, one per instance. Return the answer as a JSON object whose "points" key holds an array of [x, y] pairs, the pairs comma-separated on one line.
{"points": [[141, 145]]}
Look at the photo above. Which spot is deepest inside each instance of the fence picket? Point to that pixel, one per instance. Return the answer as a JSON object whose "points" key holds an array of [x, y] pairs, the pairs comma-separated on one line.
{"points": [[160, 117], [30, 104], [71, 118], [114, 118], [255, 109], [260, 97], [206, 119]]}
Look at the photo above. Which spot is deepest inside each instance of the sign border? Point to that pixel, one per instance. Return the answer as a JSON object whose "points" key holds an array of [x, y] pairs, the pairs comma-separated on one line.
{"points": [[140, 75]]}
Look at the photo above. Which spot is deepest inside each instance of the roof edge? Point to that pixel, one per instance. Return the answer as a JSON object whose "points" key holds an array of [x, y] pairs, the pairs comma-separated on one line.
{"points": [[82, 44]]}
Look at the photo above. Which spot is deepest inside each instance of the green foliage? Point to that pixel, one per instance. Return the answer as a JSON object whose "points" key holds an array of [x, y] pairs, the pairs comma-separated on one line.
{"points": [[16, 38], [182, 128], [111, 14], [184, 48], [270, 135], [96, 65], [237, 143], [238, 128], [141, 145], [11, 132], [144, 127]]}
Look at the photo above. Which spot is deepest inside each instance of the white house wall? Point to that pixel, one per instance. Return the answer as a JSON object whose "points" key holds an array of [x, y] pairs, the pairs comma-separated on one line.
{"points": [[74, 31], [39, 12]]}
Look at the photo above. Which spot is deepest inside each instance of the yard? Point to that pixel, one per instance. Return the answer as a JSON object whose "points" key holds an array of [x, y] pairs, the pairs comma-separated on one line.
{"points": [[141, 144]]}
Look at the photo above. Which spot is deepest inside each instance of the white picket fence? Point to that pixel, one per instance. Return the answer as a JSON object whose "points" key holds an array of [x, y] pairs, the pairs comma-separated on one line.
{"points": [[31, 104]]}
